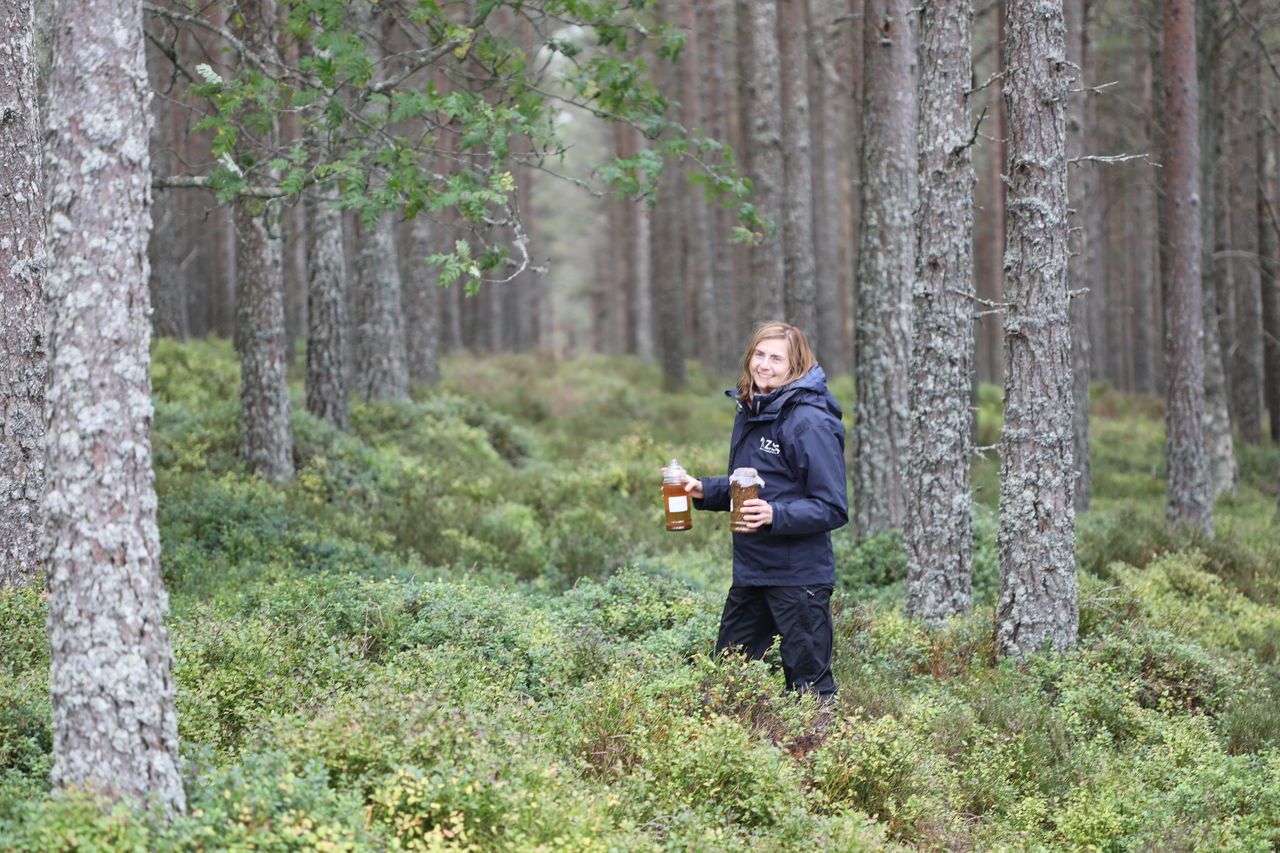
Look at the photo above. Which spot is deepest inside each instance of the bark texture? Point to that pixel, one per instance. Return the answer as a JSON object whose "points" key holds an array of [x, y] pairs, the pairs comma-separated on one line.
{"points": [[715, 95], [797, 167], [827, 118], [764, 157], [939, 536], [111, 663], [22, 321], [1037, 603], [380, 363], [1081, 197], [1188, 500], [326, 315], [1242, 138], [422, 304], [1223, 473], [1269, 250], [265, 440], [381, 367], [882, 325]]}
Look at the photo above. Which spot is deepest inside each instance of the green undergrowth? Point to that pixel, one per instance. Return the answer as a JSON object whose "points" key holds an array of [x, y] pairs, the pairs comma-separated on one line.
{"points": [[461, 626]]}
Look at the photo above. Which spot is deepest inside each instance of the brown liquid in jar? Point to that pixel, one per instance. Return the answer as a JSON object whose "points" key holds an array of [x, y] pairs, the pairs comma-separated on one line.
{"points": [[681, 516], [740, 495]]}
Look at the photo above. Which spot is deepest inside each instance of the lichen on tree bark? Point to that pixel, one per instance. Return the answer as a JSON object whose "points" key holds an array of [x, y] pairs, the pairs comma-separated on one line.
{"points": [[111, 663], [939, 538], [1037, 603]]}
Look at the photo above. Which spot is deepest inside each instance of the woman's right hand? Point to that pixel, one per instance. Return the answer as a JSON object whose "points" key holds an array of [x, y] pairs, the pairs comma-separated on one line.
{"points": [[693, 487]]}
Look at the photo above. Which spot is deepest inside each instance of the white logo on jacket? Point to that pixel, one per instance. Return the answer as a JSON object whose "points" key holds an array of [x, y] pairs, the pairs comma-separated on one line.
{"points": [[770, 446]]}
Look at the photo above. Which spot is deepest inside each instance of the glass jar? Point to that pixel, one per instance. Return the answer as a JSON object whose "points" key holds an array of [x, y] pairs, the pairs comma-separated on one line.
{"points": [[675, 500]]}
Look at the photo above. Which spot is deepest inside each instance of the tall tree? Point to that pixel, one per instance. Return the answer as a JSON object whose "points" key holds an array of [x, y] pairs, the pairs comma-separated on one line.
{"points": [[1223, 472], [939, 536], [715, 95], [1037, 603], [764, 154], [168, 285], [1188, 499], [380, 363], [327, 322], [694, 211], [1269, 253], [827, 116], [1243, 126], [666, 250], [265, 440], [1081, 199], [801, 288], [111, 663], [882, 325], [22, 326], [422, 302]]}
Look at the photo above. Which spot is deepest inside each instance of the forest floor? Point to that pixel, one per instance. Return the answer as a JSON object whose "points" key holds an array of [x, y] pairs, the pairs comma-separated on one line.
{"points": [[461, 625]]}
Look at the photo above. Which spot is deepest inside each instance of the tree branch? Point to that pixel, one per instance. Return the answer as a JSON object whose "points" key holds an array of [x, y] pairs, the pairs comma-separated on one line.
{"points": [[201, 182]]}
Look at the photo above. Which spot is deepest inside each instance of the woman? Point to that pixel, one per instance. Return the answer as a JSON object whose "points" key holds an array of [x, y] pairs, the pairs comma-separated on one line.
{"points": [[788, 428]]}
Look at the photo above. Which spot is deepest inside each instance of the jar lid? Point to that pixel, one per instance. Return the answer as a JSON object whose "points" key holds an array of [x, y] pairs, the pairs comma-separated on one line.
{"points": [[745, 477]]}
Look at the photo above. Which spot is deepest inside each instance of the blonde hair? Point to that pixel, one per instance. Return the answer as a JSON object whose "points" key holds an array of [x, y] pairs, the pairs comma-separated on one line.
{"points": [[799, 354]]}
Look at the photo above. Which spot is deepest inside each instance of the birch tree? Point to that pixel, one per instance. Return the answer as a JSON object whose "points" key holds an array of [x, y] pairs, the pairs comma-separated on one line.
{"points": [[939, 537], [882, 324], [111, 664], [22, 328], [1037, 602]]}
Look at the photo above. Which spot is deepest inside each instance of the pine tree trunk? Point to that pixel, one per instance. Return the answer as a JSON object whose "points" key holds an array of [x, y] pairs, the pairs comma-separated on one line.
{"points": [[939, 538], [111, 663], [715, 95], [1188, 501], [797, 169], [826, 116], [694, 211], [1146, 281], [22, 322], [327, 321], [764, 156], [989, 263], [882, 328], [669, 275], [167, 285], [422, 303], [1081, 193], [1245, 124], [1223, 473], [265, 440], [381, 364], [641, 252], [1271, 294], [1037, 604]]}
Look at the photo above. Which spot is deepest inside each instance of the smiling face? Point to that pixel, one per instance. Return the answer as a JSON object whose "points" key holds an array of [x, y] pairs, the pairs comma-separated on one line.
{"points": [[770, 366]]}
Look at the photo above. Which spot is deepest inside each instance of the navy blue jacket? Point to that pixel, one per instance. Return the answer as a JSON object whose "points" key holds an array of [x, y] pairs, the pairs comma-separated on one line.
{"points": [[793, 436]]}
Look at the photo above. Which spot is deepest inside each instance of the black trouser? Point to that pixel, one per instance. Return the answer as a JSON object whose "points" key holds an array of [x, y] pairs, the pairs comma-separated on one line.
{"points": [[754, 615]]}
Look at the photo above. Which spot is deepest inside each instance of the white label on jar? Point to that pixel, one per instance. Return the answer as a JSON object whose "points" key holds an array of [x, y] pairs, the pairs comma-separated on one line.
{"points": [[679, 504]]}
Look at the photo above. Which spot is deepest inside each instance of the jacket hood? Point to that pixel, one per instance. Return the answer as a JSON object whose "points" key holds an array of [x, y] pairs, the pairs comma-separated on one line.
{"points": [[810, 389]]}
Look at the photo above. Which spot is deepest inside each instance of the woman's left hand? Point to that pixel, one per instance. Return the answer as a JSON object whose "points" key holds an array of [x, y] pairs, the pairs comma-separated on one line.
{"points": [[757, 513]]}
